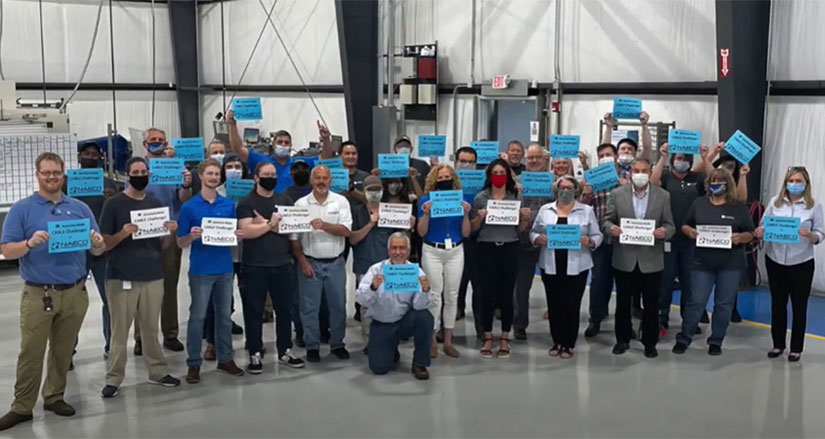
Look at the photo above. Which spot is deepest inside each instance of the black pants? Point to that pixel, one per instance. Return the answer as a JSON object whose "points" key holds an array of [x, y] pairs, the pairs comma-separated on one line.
{"points": [[564, 300], [470, 276], [497, 269], [627, 283], [278, 282], [792, 281]]}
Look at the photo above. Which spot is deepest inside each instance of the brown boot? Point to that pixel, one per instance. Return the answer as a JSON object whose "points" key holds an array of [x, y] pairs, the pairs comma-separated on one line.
{"points": [[193, 375], [230, 368], [209, 354], [420, 372], [434, 349], [60, 408], [11, 419]]}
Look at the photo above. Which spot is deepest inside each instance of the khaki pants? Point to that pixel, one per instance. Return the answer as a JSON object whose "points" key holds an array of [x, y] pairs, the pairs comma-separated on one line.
{"points": [[171, 255], [144, 301], [58, 327]]}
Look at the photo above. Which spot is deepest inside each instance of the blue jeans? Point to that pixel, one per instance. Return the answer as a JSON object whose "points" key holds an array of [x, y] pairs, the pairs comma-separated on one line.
{"points": [[703, 282], [217, 289], [384, 339], [601, 284], [679, 261], [329, 282], [98, 266]]}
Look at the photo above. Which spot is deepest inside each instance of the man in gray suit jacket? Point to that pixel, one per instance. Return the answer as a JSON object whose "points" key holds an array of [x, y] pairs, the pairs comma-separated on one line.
{"points": [[638, 254]]}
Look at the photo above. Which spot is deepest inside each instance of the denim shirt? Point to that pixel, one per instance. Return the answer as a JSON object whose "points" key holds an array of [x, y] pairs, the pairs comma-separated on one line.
{"points": [[577, 260], [388, 307], [810, 219]]}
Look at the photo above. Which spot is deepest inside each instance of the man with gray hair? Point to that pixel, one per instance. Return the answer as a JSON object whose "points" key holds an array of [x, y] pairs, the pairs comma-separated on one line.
{"points": [[396, 313]]}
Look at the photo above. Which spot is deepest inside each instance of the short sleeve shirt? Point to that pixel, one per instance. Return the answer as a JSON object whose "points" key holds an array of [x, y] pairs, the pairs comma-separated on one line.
{"points": [[137, 260], [206, 259], [736, 215]]}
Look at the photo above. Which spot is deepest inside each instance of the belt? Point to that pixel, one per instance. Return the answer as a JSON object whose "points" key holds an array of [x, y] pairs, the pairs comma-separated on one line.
{"points": [[325, 260], [56, 287], [441, 245]]}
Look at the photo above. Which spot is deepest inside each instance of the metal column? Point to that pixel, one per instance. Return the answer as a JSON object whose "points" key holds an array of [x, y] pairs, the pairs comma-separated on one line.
{"points": [[183, 20]]}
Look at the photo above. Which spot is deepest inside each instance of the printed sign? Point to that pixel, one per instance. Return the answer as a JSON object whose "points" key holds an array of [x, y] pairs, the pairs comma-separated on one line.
{"points": [[564, 147], [602, 177], [485, 151], [237, 188], [684, 142], [534, 131], [502, 212], [394, 215], [781, 229], [564, 236], [432, 146], [189, 150], [394, 165], [472, 180], [741, 147], [536, 184], [219, 232], [247, 109], [627, 108], [637, 232], [294, 220], [446, 204], [151, 222], [166, 171], [333, 163], [340, 180], [84, 182], [714, 237], [69, 236], [401, 278]]}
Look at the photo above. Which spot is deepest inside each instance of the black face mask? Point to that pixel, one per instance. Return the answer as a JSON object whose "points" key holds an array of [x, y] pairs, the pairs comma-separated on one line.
{"points": [[301, 178], [267, 183], [445, 185], [139, 182], [89, 163]]}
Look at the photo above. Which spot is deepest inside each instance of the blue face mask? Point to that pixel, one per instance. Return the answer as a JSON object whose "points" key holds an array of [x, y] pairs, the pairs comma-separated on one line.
{"points": [[717, 189], [156, 148], [795, 188]]}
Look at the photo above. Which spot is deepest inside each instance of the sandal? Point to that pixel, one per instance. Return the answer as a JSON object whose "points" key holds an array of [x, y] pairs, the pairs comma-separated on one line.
{"points": [[487, 353], [504, 352], [555, 351], [566, 353], [775, 352], [794, 356]]}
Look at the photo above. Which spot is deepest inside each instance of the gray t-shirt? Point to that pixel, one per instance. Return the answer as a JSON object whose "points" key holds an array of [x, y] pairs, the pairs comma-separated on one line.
{"points": [[493, 233]]}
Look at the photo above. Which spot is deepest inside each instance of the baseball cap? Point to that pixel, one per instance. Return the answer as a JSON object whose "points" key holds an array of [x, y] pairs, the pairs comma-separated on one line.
{"points": [[85, 145], [372, 181], [402, 138], [296, 162]]}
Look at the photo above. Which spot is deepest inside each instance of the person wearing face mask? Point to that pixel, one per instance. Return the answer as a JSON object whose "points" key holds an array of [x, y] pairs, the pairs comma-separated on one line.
{"points": [[627, 148], [282, 141], [299, 171], [564, 272], [467, 158], [135, 279], [442, 256], [727, 161], [403, 145], [638, 267], [498, 247], [791, 266], [172, 197], [515, 154], [715, 269], [216, 150]]}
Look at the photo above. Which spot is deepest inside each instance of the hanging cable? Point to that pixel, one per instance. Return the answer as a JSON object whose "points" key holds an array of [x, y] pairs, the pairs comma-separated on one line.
{"points": [[223, 57], [88, 57], [112, 54], [2, 75], [42, 50], [294, 66], [153, 62]]}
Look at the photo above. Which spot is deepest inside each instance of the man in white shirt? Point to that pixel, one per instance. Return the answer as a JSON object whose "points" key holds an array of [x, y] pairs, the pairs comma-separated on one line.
{"points": [[319, 254]]}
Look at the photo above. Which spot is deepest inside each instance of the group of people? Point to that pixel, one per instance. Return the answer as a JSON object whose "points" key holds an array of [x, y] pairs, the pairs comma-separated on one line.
{"points": [[303, 273]]}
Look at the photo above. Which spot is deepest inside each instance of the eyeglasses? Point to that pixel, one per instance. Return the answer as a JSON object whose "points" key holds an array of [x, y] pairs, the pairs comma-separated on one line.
{"points": [[47, 174]]}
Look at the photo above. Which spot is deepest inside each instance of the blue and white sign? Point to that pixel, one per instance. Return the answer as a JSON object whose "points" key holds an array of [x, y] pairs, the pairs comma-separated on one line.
{"points": [[536, 184], [684, 142], [69, 236], [602, 177], [781, 229], [394, 165], [627, 108], [333, 163], [472, 180], [564, 147], [432, 146], [564, 236], [247, 109], [486, 151], [166, 171], [84, 182], [401, 278], [446, 204], [189, 149], [340, 180], [237, 188], [741, 147]]}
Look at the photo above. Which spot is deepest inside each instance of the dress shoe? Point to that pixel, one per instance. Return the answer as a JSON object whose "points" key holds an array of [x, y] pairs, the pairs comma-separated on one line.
{"points": [[60, 408], [592, 330], [138, 348], [230, 368], [620, 348], [714, 350], [11, 419], [209, 354], [651, 352], [520, 334], [679, 348], [451, 351], [775, 352], [173, 344], [420, 372], [193, 375]]}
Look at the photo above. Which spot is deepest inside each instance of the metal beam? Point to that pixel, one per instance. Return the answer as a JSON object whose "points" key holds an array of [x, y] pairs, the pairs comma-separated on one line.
{"points": [[183, 20], [358, 43]]}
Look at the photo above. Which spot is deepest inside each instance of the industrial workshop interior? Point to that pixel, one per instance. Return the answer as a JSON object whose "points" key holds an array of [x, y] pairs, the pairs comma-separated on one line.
{"points": [[412, 218]]}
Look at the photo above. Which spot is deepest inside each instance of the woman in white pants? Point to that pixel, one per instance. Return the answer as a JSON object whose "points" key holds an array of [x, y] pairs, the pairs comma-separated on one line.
{"points": [[442, 256]]}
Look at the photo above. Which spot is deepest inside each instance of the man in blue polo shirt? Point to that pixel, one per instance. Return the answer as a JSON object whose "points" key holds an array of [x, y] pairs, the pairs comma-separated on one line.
{"points": [[283, 153], [54, 298], [210, 272]]}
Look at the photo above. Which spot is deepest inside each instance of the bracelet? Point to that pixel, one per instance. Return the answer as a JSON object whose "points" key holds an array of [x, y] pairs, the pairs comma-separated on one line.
{"points": [[27, 245]]}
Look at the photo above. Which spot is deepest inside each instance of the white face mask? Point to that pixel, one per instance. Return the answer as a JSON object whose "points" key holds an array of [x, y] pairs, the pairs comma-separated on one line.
{"points": [[234, 174], [374, 196], [282, 152], [405, 150], [625, 159], [218, 158], [606, 159], [640, 180], [681, 165]]}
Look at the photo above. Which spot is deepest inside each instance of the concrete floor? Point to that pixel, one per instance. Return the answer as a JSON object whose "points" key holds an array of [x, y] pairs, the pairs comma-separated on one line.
{"points": [[595, 394]]}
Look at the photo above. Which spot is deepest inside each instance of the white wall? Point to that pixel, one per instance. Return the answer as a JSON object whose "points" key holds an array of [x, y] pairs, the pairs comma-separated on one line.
{"points": [[797, 52]]}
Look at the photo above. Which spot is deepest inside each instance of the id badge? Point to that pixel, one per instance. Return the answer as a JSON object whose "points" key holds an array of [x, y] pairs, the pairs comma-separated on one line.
{"points": [[127, 285], [667, 247], [448, 244]]}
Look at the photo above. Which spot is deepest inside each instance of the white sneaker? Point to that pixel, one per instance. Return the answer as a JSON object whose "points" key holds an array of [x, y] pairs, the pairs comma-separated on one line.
{"points": [[289, 359]]}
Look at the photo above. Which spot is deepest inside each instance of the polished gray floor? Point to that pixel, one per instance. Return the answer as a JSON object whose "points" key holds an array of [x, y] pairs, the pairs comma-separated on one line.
{"points": [[595, 394]]}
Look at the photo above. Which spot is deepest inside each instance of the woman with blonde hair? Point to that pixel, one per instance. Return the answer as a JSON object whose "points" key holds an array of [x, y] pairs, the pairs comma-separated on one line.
{"points": [[442, 256], [791, 266]]}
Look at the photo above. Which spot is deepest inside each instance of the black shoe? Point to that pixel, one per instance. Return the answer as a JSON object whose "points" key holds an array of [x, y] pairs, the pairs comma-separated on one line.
{"points": [[637, 313], [11, 419], [620, 348], [697, 331], [679, 348], [651, 352], [173, 344], [704, 318], [313, 356], [365, 351], [793, 357], [299, 341], [255, 365], [167, 381], [236, 329], [291, 360], [592, 330], [735, 317], [138, 348], [775, 352], [714, 350], [60, 408], [520, 334], [109, 391], [340, 353], [325, 337]]}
